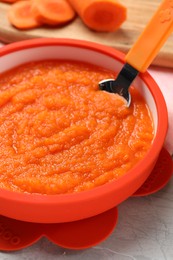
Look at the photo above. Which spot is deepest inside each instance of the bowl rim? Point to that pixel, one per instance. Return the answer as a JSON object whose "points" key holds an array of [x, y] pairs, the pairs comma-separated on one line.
{"points": [[126, 179]]}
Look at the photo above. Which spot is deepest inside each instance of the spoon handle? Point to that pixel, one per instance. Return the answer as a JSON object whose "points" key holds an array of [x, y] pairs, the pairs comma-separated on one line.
{"points": [[153, 37]]}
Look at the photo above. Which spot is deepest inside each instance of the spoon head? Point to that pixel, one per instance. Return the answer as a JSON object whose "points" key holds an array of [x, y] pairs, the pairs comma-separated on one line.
{"points": [[110, 85]]}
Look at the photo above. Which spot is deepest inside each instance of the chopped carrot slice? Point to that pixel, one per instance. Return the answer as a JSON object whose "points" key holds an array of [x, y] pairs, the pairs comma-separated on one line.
{"points": [[21, 16], [53, 12], [100, 15]]}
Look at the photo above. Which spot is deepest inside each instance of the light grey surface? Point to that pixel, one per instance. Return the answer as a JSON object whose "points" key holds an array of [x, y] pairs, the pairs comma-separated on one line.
{"points": [[144, 232]]}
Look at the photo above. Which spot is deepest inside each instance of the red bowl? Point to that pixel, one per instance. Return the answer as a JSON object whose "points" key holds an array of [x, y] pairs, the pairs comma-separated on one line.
{"points": [[71, 207]]}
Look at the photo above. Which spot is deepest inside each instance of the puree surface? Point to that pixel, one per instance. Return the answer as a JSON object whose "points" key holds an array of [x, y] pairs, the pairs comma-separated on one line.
{"points": [[60, 134]]}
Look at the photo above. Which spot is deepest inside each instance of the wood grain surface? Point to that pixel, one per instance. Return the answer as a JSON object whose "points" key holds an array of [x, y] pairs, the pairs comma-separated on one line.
{"points": [[139, 13]]}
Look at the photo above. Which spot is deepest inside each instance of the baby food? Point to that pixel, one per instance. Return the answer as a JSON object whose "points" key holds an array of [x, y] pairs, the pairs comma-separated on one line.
{"points": [[60, 134]]}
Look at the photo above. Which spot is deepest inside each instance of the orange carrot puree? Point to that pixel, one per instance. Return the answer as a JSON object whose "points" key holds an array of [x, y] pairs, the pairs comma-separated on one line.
{"points": [[60, 134]]}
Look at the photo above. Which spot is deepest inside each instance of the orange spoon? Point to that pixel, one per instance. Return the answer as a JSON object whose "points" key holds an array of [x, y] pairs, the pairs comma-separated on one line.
{"points": [[143, 52]]}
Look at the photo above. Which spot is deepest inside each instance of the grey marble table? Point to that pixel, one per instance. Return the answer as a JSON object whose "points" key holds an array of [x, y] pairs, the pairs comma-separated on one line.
{"points": [[144, 232]]}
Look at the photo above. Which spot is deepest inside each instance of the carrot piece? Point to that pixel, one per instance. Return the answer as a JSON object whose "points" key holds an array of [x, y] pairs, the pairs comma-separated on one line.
{"points": [[53, 12], [100, 15], [20, 15]]}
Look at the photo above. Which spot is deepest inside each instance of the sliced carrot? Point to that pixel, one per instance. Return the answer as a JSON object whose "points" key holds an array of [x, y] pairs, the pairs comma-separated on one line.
{"points": [[100, 15], [53, 12], [20, 15]]}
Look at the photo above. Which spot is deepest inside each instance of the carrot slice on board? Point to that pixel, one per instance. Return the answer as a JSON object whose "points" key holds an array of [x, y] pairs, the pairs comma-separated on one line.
{"points": [[100, 15], [53, 12], [21, 16]]}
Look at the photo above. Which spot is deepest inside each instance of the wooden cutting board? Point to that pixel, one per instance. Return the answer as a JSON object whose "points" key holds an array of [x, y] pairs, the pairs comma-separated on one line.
{"points": [[139, 13]]}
